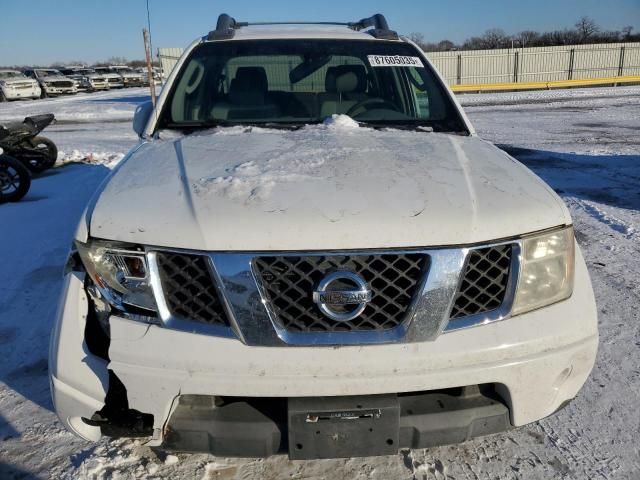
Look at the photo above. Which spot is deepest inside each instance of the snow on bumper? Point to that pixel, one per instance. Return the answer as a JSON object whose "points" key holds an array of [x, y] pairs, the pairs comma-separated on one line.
{"points": [[539, 360]]}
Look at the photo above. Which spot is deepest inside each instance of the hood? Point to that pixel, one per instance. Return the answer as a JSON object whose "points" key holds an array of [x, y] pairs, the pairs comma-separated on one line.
{"points": [[56, 78], [18, 81], [321, 188]]}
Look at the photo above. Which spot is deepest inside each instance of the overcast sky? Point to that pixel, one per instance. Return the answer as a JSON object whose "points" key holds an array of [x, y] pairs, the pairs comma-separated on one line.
{"points": [[48, 31]]}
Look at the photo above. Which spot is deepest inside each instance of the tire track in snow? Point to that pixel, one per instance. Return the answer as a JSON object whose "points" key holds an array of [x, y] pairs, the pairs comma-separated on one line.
{"points": [[594, 211]]}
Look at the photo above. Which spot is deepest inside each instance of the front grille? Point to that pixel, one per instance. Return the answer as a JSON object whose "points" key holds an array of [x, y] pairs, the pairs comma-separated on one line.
{"points": [[289, 282], [62, 84], [484, 282], [189, 289]]}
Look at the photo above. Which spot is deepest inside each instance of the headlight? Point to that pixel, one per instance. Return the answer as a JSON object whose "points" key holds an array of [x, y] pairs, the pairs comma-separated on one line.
{"points": [[547, 267], [121, 274]]}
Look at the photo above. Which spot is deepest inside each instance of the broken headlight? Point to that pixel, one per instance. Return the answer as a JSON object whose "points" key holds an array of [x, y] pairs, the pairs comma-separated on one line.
{"points": [[121, 275], [547, 266]]}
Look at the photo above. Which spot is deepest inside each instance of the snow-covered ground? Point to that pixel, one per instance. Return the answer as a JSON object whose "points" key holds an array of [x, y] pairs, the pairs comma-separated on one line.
{"points": [[584, 143]]}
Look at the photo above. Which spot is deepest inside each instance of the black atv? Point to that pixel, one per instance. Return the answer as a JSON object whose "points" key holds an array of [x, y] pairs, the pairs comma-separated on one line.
{"points": [[20, 140], [15, 179]]}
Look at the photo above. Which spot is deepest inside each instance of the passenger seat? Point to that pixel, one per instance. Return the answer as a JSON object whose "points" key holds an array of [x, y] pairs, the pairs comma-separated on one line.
{"points": [[247, 99]]}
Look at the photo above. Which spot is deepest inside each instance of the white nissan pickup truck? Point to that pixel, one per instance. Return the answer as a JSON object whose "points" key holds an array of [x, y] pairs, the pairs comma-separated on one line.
{"points": [[311, 252]]}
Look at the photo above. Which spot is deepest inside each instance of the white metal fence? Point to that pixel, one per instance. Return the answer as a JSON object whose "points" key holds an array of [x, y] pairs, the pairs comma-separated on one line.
{"points": [[537, 64], [168, 59]]}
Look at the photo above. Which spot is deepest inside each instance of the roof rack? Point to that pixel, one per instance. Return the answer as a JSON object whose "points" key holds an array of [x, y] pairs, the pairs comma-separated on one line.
{"points": [[227, 26]]}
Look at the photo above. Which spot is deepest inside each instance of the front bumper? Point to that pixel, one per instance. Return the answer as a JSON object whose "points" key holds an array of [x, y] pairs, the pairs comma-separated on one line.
{"points": [[99, 85], [537, 362], [50, 90], [133, 82]]}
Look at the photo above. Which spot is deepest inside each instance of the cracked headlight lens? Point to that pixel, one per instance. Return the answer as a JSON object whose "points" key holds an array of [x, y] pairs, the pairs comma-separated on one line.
{"points": [[120, 273], [547, 267]]}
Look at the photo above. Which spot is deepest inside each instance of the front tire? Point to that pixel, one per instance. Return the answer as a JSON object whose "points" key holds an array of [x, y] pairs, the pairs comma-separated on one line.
{"points": [[15, 179], [2, 97]]}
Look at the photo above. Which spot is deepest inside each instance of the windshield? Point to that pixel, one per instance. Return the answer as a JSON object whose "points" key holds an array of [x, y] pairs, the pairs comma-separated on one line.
{"points": [[48, 73], [7, 74], [284, 82]]}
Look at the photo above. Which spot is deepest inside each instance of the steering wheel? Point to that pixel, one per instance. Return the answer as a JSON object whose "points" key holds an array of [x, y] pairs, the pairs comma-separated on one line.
{"points": [[370, 101]]}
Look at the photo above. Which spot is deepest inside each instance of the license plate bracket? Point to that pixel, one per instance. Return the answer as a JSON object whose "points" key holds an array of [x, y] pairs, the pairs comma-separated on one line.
{"points": [[343, 427]]}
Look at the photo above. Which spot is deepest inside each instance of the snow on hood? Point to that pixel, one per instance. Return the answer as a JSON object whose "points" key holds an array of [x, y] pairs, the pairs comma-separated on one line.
{"points": [[330, 186]]}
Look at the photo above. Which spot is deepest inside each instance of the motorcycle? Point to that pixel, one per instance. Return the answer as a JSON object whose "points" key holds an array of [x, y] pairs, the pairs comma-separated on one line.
{"points": [[21, 140], [15, 179]]}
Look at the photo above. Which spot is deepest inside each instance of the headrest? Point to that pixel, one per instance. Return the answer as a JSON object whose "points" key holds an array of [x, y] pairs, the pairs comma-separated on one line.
{"points": [[249, 86], [346, 79]]}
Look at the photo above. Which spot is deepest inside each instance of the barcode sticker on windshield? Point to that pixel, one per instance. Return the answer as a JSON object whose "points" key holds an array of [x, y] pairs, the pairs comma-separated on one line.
{"points": [[394, 61]]}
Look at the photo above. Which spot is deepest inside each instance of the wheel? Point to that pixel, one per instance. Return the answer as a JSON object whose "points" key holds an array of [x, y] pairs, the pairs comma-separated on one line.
{"points": [[15, 179], [44, 156], [2, 97]]}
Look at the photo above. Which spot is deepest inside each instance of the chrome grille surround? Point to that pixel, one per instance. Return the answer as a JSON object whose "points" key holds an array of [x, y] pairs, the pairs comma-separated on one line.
{"points": [[288, 280], [189, 288], [251, 319], [484, 281], [186, 293]]}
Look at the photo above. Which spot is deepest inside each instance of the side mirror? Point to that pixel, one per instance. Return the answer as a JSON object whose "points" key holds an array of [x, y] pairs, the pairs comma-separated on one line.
{"points": [[141, 117]]}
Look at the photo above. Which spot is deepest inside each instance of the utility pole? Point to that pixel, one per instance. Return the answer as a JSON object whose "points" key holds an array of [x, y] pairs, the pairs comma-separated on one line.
{"points": [[147, 51]]}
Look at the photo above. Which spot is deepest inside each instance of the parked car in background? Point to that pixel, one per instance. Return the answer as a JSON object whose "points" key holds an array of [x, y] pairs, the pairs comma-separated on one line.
{"points": [[130, 77], [15, 85], [86, 79], [157, 78], [52, 82], [114, 79]]}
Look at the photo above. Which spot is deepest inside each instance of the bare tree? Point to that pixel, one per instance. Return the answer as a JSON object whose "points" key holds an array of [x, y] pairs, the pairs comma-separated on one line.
{"points": [[494, 38], [116, 61], [418, 39], [69, 63], [586, 27], [626, 32], [528, 38], [446, 45]]}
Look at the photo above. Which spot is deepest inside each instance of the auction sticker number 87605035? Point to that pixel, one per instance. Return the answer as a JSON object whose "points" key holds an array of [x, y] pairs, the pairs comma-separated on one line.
{"points": [[394, 61]]}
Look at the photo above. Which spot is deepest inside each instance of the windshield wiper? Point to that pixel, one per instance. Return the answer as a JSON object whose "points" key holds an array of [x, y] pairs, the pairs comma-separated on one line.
{"points": [[417, 126], [203, 125]]}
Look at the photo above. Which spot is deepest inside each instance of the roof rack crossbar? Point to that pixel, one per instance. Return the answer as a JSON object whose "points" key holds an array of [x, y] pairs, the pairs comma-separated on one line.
{"points": [[227, 25], [344, 24]]}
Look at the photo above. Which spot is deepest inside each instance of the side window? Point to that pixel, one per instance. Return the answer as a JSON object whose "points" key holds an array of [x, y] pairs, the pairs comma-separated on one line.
{"points": [[184, 107]]}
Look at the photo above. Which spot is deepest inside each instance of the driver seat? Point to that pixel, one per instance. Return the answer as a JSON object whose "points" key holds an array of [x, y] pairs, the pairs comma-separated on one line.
{"points": [[345, 86]]}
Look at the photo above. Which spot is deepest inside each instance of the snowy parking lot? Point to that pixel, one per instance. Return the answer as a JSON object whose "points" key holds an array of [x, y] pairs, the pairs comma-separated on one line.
{"points": [[585, 143]]}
